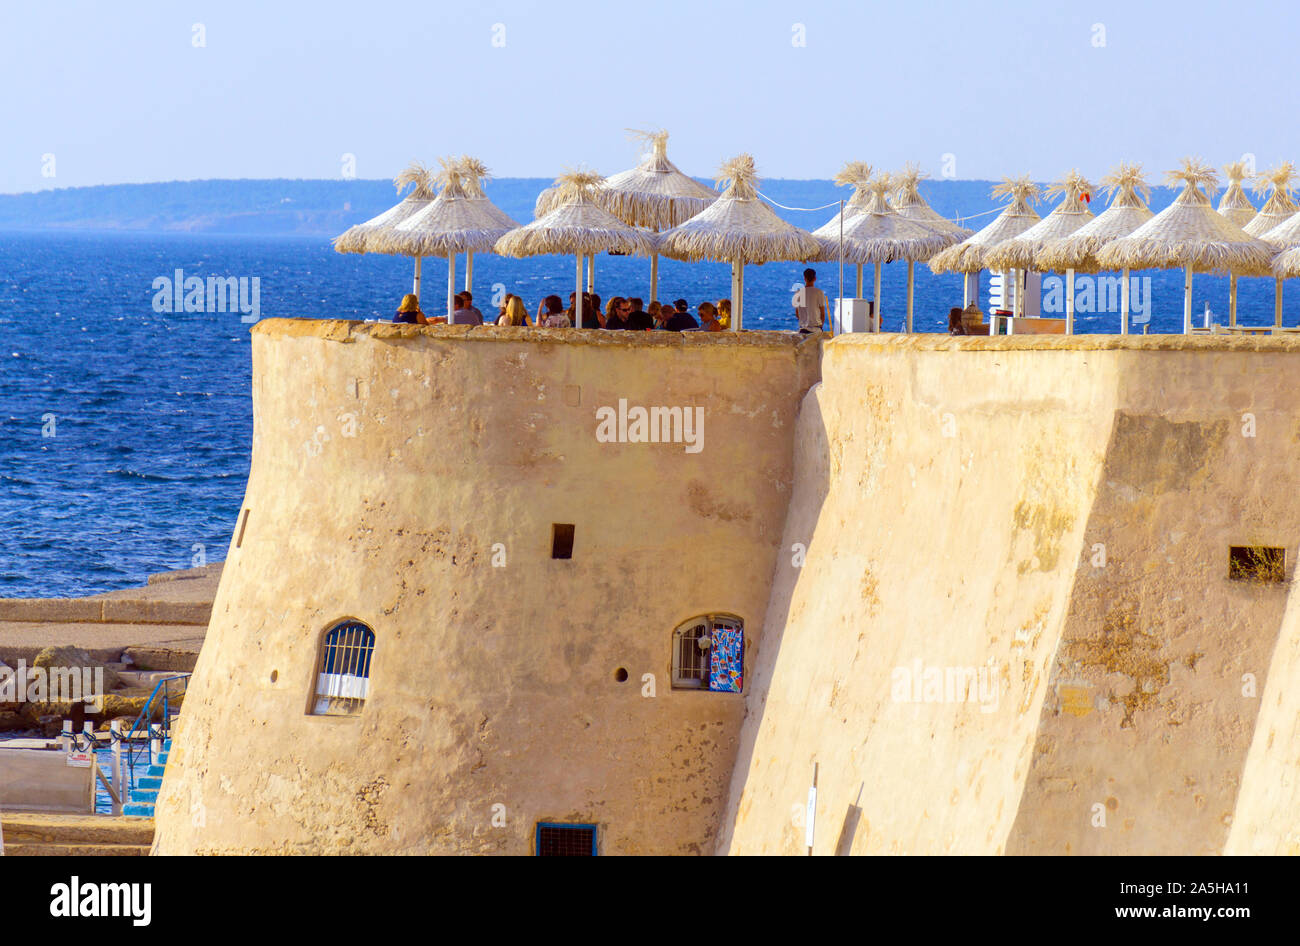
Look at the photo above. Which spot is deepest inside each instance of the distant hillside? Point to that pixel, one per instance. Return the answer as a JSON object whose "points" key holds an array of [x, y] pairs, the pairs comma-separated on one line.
{"points": [[327, 208]]}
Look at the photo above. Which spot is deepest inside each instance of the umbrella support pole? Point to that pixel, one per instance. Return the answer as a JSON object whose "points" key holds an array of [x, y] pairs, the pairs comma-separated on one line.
{"points": [[875, 301], [1187, 300], [591, 272], [737, 295], [654, 275], [577, 297], [1069, 302], [416, 288], [1232, 299], [1123, 304], [1277, 303], [911, 284], [859, 281], [451, 285], [469, 271]]}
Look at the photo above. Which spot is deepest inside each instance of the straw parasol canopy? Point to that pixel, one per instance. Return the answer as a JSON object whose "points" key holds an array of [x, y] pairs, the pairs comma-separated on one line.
{"points": [[454, 222], [577, 225], [855, 174], [1280, 206], [1127, 211], [356, 239], [1287, 265], [968, 256], [1235, 205], [910, 204], [879, 234], [1021, 252], [1189, 234], [738, 228]]}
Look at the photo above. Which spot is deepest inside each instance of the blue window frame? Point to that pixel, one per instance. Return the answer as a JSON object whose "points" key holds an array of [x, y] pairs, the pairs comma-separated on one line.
{"points": [[560, 839]]}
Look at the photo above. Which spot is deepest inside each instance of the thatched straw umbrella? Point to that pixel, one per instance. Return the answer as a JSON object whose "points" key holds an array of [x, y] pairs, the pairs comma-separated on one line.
{"points": [[1020, 253], [1127, 211], [473, 173], [1190, 235], [879, 235], [1284, 238], [357, 239], [909, 203], [453, 223], [1278, 210], [655, 194], [969, 255], [1237, 208], [576, 225], [855, 174], [738, 228]]}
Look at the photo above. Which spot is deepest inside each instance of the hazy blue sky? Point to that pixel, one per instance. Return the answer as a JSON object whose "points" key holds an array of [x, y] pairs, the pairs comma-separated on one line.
{"points": [[120, 92]]}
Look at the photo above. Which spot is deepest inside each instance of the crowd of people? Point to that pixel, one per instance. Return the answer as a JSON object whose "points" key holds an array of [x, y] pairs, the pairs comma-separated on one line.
{"points": [[619, 314]]}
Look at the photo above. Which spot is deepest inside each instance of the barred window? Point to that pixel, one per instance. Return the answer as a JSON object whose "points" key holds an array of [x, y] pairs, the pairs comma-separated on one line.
{"points": [[343, 678], [709, 654], [565, 840]]}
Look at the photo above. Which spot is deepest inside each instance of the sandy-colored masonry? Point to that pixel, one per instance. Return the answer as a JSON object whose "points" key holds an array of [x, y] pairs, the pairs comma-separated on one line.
{"points": [[985, 586]]}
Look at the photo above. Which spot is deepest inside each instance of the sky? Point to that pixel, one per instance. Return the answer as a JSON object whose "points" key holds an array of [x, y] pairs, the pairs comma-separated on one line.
{"points": [[101, 93]]}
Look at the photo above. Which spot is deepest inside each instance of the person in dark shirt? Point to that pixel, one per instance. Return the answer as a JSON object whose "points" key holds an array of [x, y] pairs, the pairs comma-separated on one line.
{"points": [[409, 311], [677, 319], [638, 320], [615, 314]]}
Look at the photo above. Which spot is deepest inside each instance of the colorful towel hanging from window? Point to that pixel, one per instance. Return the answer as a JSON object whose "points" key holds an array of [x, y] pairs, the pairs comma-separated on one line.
{"points": [[726, 658]]}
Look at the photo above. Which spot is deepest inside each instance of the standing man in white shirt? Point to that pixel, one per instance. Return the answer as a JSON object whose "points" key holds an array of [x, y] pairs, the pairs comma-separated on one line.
{"points": [[810, 304]]}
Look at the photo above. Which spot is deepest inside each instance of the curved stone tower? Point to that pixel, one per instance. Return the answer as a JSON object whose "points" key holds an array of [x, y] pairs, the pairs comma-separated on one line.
{"points": [[410, 479]]}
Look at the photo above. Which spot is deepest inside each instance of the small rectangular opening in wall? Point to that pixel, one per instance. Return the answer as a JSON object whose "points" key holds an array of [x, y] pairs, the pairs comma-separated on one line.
{"points": [[562, 540], [243, 524], [566, 840], [1256, 563]]}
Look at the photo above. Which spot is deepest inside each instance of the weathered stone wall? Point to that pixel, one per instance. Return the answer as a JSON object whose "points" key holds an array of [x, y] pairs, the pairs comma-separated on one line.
{"points": [[490, 685], [1059, 510]]}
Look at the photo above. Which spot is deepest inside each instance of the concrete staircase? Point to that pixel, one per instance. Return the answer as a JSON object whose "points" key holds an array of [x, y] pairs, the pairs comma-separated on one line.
{"points": [[145, 794], [31, 835]]}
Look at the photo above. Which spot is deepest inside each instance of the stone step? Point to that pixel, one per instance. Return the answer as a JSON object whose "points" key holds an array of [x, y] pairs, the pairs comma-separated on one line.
{"points": [[39, 828], [144, 796], [155, 771], [35, 849], [153, 782]]}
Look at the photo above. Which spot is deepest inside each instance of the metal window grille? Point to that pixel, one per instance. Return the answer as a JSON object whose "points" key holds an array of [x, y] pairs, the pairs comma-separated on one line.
{"points": [[343, 682], [690, 660], [1256, 563], [566, 840]]}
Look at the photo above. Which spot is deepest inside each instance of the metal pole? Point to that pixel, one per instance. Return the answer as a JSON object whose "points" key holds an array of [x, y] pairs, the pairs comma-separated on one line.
{"points": [[1123, 304], [451, 285], [1187, 300], [1069, 302], [911, 282], [416, 289], [469, 271], [875, 303], [577, 298], [591, 273], [115, 727]]}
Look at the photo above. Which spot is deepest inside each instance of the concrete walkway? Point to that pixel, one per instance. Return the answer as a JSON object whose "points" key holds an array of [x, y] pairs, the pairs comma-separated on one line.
{"points": [[160, 626]]}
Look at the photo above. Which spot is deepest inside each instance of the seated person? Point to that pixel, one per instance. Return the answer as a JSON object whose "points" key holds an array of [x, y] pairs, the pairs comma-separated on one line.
{"points": [[709, 321], [409, 311], [954, 321], [465, 313], [550, 313], [615, 312], [638, 320], [677, 319]]}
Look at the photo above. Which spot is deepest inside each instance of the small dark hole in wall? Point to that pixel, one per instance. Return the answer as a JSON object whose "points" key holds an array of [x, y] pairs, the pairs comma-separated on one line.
{"points": [[243, 524], [275, 675], [561, 540], [621, 675], [1256, 563]]}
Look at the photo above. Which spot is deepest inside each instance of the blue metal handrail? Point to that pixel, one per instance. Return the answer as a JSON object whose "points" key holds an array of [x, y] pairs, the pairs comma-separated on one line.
{"points": [[146, 713]]}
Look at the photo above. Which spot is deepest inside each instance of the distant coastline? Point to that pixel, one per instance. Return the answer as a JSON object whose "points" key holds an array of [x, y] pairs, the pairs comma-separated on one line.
{"points": [[325, 208]]}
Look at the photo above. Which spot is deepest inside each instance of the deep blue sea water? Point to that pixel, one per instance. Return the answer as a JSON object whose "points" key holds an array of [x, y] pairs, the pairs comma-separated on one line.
{"points": [[151, 411]]}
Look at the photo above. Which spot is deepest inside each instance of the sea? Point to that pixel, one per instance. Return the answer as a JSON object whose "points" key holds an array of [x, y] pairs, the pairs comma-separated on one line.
{"points": [[125, 431]]}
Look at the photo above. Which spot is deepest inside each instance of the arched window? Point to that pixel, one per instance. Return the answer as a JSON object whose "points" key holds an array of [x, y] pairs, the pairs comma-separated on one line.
{"points": [[343, 678], [709, 654]]}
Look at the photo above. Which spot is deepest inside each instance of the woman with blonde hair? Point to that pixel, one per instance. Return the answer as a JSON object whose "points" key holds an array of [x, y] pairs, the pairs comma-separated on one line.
{"points": [[724, 313], [514, 313]]}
